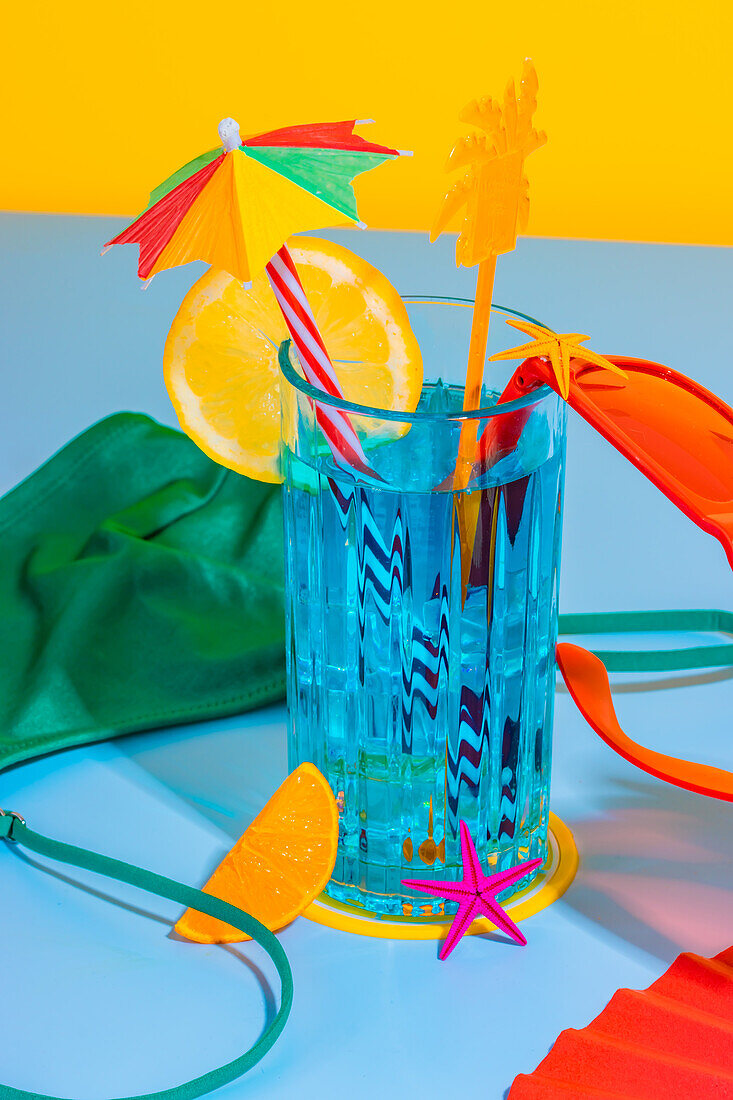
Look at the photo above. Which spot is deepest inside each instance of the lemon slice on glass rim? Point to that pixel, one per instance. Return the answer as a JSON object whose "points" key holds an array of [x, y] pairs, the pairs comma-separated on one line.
{"points": [[221, 357]]}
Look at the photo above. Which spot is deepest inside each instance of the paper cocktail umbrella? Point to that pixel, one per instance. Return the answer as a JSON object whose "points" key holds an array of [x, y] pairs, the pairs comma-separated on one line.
{"points": [[235, 206]]}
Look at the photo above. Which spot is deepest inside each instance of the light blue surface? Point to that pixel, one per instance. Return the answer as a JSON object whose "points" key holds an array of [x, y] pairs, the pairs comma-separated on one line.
{"points": [[124, 1009]]}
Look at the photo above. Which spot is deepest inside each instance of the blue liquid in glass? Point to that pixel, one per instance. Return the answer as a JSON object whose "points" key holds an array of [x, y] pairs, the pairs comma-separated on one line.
{"points": [[419, 709]]}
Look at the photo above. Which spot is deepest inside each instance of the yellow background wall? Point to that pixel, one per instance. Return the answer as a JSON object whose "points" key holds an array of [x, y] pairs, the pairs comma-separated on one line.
{"points": [[100, 101]]}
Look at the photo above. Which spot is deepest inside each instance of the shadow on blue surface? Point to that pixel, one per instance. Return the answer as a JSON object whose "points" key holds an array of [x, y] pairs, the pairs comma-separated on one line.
{"points": [[667, 839]]}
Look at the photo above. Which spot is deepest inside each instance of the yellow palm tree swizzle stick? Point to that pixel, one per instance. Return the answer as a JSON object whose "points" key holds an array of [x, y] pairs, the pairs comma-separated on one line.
{"points": [[494, 198]]}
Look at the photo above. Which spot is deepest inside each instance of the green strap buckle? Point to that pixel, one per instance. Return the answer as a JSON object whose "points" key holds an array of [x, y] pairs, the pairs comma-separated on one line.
{"points": [[8, 819]]}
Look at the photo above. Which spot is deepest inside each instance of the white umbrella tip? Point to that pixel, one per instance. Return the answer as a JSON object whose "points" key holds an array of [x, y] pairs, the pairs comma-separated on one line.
{"points": [[229, 134]]}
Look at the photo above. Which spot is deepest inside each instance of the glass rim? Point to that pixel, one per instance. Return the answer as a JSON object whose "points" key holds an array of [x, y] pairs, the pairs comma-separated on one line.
{"points": [[299, 383]]}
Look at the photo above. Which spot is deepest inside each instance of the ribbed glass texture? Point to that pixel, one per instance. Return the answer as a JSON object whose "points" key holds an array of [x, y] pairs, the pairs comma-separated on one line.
{"points": [[420, 661]]}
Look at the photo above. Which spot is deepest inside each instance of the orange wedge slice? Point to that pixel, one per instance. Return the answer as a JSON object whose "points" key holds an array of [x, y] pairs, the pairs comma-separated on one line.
{"points": [[279, 864]]}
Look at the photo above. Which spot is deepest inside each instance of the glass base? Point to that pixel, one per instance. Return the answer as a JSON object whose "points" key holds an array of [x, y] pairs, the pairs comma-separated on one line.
{"points": [[409, 903]]}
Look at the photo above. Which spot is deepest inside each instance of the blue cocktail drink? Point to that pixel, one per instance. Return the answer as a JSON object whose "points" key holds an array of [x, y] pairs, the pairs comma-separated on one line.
{"points": [[422, 684]]}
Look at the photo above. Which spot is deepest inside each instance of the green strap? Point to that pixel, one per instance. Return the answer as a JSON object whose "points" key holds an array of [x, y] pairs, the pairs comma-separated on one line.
{"points": [[652, 622], [14, 828]]}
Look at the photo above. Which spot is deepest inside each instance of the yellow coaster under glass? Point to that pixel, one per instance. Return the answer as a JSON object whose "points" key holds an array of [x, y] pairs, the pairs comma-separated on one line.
{"points": [[551, 883]]}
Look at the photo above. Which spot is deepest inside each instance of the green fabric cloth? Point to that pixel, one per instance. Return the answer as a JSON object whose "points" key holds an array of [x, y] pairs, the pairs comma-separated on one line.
{"points": [[142, 585]]}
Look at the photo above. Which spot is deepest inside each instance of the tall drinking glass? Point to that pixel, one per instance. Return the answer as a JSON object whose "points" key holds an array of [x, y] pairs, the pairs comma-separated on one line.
{"points": [[420, 660]]}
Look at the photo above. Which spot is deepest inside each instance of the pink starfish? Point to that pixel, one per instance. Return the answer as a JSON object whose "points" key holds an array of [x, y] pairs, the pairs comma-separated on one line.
{"points": [[475, 894]]}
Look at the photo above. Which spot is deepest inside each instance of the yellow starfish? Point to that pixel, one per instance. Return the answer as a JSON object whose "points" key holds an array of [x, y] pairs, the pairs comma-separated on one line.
{"points": [[559, 348]]}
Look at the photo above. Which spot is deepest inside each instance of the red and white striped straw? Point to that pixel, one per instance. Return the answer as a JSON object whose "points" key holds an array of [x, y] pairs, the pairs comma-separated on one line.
{"points": [[317, 366]]}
